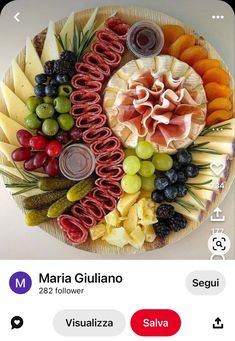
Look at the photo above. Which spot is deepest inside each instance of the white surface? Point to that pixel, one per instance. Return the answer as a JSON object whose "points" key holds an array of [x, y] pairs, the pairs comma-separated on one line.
{"points": [[20, 242]]}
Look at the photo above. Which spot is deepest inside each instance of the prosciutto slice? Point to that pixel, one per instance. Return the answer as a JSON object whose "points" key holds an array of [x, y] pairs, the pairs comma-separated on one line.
{"points": [[72, 228]]}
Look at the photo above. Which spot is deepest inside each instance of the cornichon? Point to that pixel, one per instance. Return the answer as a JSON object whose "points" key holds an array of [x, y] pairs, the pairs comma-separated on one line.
{"points": [[44, 199], [59, 207], [81, 189], [36, 217], [52, 184]]}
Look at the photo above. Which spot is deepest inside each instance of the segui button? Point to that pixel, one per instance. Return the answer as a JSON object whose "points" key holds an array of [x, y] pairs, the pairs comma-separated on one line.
{"points": [[155, 322]]}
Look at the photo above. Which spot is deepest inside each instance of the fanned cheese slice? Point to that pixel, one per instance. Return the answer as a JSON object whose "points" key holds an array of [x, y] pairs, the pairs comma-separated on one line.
{"points": [[128, 70], [67, 31], [23, 87], [7, 149], [91, 21], [33, 65], [51, 47], [15, 172], [16, 108], [146, 63], [116, 83], [10, 128]]}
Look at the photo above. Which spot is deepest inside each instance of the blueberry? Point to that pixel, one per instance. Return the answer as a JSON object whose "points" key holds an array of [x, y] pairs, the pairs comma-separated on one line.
{"points": [[184, 157], [172, 175], [39, 90], [170, 193], [182, 190], [62, 79], [157, 196], [182, 178], [41, 78], [161, 183], [53, 81], [176, 164], [192, 171], [51, 90]]}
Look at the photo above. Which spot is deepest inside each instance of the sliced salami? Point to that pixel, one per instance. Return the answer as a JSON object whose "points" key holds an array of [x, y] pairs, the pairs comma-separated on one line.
{"points": [[111, 144], [73, 229], [97, 61], [110, 172], [116, 26], [92, 72], [93, 134], [79, 109], [113, 158], [80, 212], [85, 97], [112, 187], [88, 120], [93, 207], [111, 58], [107, 201], [111, 40], [84, 82]]}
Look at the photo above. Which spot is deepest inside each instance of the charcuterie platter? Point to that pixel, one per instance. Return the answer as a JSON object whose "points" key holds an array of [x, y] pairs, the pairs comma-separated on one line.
{"points": [[117, 130]]}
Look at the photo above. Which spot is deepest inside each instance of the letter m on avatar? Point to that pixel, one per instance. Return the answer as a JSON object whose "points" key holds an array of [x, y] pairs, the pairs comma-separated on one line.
{"points": [[20, 284]]}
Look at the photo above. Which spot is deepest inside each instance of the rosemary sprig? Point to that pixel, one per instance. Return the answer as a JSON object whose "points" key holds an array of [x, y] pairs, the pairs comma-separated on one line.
{"points": [[195, 197], [199, 183], [226, 126], [188, 207], [200, 147], [204, 166]]}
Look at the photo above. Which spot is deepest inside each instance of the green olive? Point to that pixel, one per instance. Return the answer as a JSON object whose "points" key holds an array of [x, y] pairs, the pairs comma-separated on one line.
{"points": [[48, 100], [45, 110], [65, 121], [32, 102], [65, 90], [62, 104], [50, 127], [32, 122]]}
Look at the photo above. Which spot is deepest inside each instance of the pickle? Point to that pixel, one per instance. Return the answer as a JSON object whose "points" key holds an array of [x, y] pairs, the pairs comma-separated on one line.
{"points": [[44, 199], [52, 184], [59, 207], [36, 217], [81, 189]]}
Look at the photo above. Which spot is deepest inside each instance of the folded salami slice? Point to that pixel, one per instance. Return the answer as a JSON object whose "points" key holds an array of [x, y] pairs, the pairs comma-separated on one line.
{"points": [[73, 229], [93, 207], [111, 40], [93, 134], [111, 144], [95, 60], [88, 120], [112, 187], [80, 212], [79, 109], [107, 201], [84, 82], [92, 72], [111, 58], [110, 172], [116, 25], [113, 158], [85, 97]]}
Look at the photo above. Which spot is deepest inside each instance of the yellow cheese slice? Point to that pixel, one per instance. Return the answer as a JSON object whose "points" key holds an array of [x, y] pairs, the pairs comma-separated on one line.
{"points": [[7, 149], [91, 21], [10, 128], [15, 172], [33, 65], [67, 31], [16, 108], [51, 47], [23, 87]]}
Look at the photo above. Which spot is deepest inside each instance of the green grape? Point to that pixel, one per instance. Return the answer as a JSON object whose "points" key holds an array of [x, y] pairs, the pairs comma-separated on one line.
{"points": [[148, 183], [129, 152], [162, 161], [144, 150], [146, 168], [131, 183], [131, 165]]}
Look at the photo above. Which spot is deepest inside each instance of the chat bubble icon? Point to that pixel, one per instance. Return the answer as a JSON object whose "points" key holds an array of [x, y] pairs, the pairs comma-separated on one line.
{"points": [[16, 322]]}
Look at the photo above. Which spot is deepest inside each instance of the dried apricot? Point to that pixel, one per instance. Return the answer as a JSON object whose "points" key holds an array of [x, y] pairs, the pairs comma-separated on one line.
{"points": [[171, 33], [214, 90], [216, 75], [219, 103], [182, 43], [218, 116], [193, 54], [203, 65]]}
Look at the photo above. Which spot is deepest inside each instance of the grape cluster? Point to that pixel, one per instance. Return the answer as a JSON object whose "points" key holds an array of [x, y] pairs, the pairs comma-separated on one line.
{"points": [[168, 220], [171, 184]]}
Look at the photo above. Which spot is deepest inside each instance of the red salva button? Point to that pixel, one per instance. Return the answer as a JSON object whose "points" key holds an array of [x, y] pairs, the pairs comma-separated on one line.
{"points": [[155, 322]]}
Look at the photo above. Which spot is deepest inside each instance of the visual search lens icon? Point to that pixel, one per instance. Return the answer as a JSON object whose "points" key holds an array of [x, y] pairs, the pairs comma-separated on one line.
{"points": [[20, 282], [16, 322]]}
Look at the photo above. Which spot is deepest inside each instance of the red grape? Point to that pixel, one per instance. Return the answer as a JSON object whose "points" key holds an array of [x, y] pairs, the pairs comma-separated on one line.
{"points": [[21, 154], [38, 142], [23, 136], [52, 167], [75, 134], [40, 159], [54, 148], [63, 137], [29, 164]]}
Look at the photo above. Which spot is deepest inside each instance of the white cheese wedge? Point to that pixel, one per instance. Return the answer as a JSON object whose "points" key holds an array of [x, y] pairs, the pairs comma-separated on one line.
{"points": [[16, 108], [116, 83], [10, 128], [51, 47], [33, 65], [128, 70], [23, 87], [91, 21], [67, 32], [222, 145], [146, 63], [13, 171], [7, 149]]}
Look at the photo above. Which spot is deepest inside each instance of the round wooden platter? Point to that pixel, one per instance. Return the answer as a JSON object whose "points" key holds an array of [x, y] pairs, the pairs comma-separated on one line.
{"points": [[129, 15]]}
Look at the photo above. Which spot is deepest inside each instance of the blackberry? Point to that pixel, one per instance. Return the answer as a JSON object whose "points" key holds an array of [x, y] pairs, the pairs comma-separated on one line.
{"points": [[69, 56], [62, 79], [172, 175], [192, 171], [63, 67], [157, 196], [184, 157], [161, 183], [182, 177], [177, 222], [161, 228], [49, 68], [170, 193], [182, 190], [165, 211]]}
